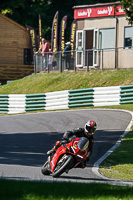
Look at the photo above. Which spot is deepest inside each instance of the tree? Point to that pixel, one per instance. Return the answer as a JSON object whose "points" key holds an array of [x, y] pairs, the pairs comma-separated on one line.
{"points": [[128, 8], [26, 12]]}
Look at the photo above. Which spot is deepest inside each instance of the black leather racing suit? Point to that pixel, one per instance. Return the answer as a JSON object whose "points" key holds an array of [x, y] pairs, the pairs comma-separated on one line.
{"points": [[80, 132]]}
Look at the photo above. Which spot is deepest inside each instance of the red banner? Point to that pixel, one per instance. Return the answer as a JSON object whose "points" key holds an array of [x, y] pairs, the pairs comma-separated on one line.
{"points": [[104, 11]]}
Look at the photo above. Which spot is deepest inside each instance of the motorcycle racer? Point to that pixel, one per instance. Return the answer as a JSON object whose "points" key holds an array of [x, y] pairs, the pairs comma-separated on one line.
{"points": [[88, 132]]}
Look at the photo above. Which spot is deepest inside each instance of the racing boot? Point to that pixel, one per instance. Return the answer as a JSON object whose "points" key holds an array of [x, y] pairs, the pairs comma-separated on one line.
{"points": [[53, 150], [81, 165], [50, 152]]}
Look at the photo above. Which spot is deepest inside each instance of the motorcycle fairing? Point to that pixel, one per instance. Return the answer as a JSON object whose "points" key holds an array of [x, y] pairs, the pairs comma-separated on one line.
{"points": [[71, 148], [60, 151]]}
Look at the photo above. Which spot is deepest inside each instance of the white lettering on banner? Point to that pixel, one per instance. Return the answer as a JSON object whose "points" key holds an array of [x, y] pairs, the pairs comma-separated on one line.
{"points": [[82, 13], [100, 12], [89, 12], [85, 13], [109, 10], [121, 10], [105, 11]]}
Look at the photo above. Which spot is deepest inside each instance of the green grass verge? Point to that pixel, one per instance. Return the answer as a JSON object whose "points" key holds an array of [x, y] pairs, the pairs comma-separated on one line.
{"points": [[41, 83], [119, 165], [23, 190], [128, 107]]}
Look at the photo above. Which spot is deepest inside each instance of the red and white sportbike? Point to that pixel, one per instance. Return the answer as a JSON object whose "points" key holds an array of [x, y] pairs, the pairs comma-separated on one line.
{"points": [[66, 157]]}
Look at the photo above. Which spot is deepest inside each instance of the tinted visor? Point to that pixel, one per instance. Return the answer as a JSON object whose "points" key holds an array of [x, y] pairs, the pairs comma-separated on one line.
{"points": [[83, 143], [90, 129]]}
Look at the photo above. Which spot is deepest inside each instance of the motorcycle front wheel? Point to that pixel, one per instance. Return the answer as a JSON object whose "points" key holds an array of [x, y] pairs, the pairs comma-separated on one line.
{"points": [[44, 169], [63, 165]]}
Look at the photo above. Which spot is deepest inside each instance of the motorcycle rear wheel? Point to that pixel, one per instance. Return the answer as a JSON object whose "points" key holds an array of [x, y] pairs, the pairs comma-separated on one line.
{"points": [[61, 168], [44, 169]]}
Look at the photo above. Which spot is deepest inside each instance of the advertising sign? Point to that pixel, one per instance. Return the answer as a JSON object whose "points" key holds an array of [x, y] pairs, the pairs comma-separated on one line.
{"points": [[73, 37], [40, 32], [103, 11], [62, 34], [54, 35], [33, 40]]}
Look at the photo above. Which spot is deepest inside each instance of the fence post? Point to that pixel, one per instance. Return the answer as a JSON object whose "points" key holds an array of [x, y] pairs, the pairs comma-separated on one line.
{"points": [[48, 62], [42, 63], [60, 61], [116, 58], [34, 58], [102, 59], [74, 60], [87, 61], [99, 58]]}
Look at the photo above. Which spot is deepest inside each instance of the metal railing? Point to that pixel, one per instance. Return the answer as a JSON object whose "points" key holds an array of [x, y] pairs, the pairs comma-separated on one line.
{"points": [[54, 62], [98, 59]]}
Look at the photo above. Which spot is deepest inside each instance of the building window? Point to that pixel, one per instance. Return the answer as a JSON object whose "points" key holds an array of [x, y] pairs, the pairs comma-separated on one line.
{"points": [[27, 57], [107, 38], [128, 36]]}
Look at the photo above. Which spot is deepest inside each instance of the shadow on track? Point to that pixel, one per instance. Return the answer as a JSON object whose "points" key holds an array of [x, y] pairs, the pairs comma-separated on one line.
{"points": [[29, 149]]}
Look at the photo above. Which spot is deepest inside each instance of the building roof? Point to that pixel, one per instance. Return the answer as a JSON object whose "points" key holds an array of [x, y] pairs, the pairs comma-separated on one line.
{"points": [[13, 22], [97, 5]]}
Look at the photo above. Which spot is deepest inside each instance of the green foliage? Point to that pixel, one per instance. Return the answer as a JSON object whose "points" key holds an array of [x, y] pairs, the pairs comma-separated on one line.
{"points": [[26, 12], [128, 8], [6, 11]]}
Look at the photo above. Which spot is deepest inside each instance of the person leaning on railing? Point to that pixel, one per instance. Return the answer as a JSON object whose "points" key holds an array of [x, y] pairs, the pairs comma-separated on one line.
{"points": [[44, 49], [67, 54]]}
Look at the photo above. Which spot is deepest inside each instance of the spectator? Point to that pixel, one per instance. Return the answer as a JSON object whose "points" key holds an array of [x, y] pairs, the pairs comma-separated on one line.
{"points": [[44, 49], [67, 55], [54, 63], [50, 59]]}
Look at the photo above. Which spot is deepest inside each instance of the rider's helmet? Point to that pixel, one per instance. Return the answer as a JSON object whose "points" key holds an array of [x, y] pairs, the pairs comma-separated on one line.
{"points": [[90, 127]]}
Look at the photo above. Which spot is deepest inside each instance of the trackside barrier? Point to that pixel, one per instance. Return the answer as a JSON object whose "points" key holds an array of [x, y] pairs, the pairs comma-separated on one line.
{"points": [[98, 96], [126, 94], [16, 103], [56, 100], [4, 103], [35, 102], [81, 98], [106, 96]]}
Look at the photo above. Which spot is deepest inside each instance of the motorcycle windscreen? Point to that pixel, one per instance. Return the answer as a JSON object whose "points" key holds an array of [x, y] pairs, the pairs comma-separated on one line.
{"points": [[83, 143]]}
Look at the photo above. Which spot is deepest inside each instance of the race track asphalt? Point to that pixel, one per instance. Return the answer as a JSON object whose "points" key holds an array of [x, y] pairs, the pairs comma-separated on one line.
{"points": [[26, 138]]}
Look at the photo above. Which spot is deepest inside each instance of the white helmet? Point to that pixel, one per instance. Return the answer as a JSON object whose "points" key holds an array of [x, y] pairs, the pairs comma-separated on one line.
{"points": [[90, 127]]}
